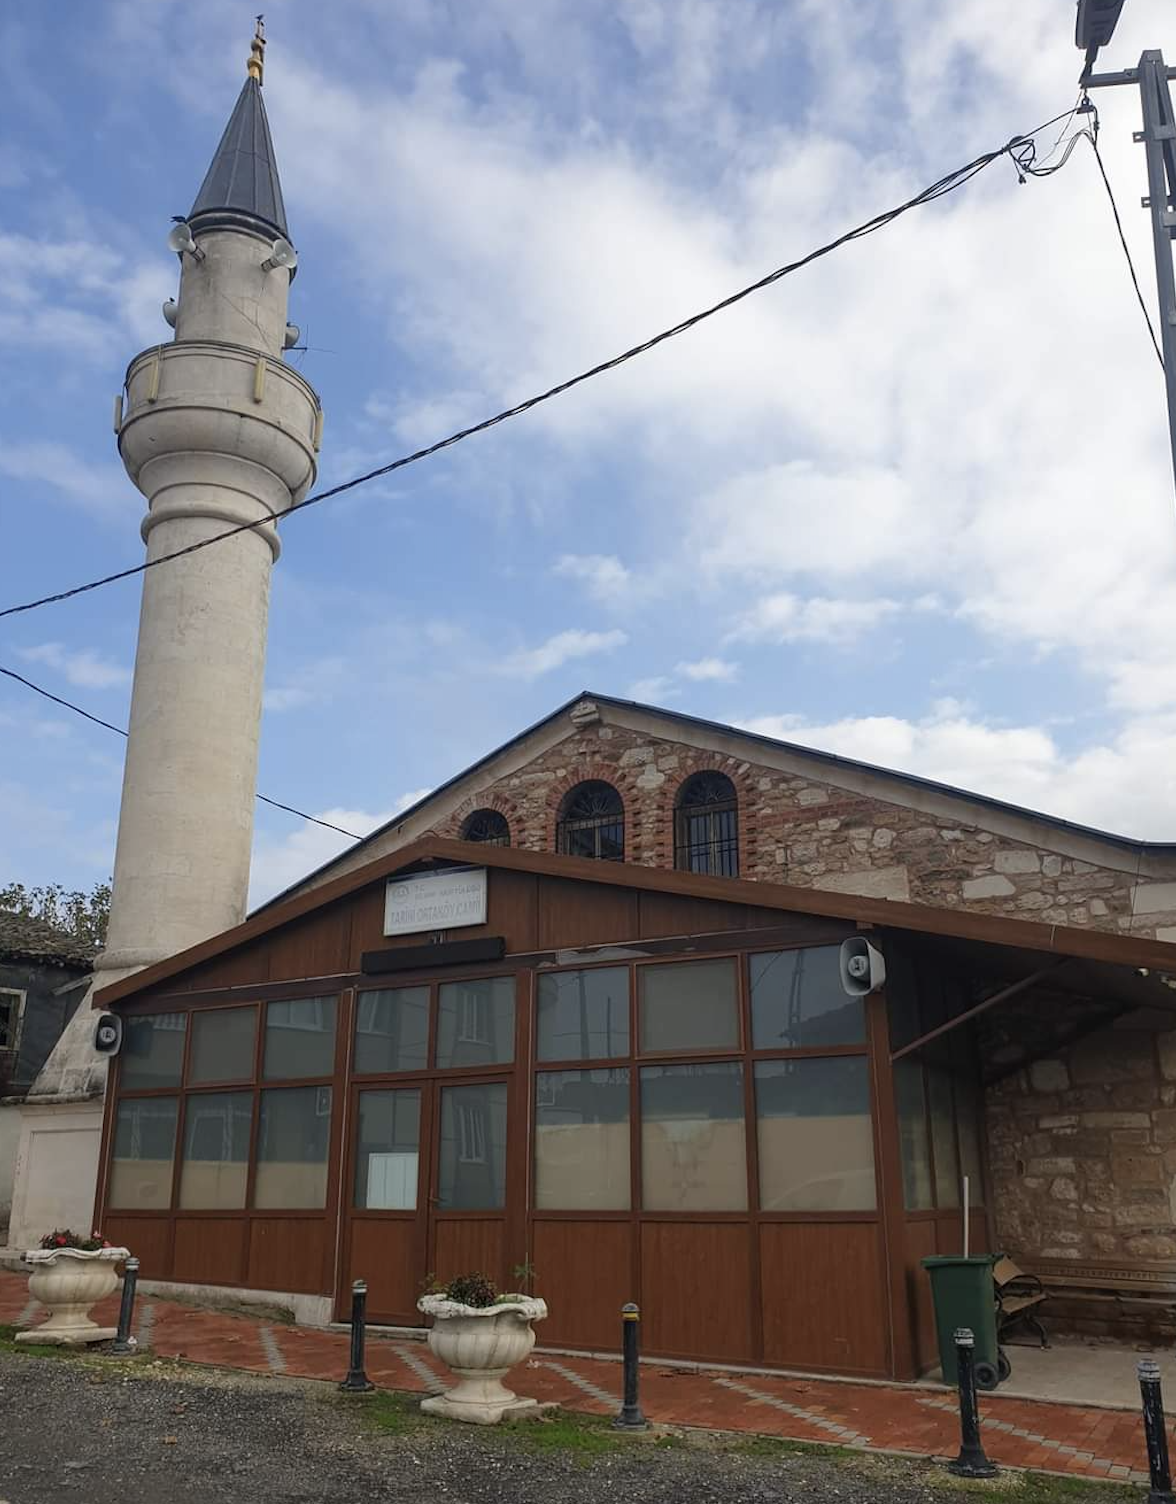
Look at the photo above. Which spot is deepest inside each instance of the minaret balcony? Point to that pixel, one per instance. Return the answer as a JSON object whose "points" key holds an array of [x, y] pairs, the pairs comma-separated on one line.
{"points": [[207, 397]]}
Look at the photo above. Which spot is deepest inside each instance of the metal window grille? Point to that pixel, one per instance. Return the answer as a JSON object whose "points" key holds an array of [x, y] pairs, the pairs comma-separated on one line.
{"points": [[592, 823], [706, 826], [488, 827]]}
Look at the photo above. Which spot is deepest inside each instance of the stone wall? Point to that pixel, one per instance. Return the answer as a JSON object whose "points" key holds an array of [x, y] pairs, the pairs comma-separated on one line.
{"points": [[1082, 1159], [801, 830]]}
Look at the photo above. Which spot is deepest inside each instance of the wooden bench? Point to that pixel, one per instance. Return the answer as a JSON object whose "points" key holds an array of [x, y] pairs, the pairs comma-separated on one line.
{"points": [[1139, 1293], [1018, 1295]]}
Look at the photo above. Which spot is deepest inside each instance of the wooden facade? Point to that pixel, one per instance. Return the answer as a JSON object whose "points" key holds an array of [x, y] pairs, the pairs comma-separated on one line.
{"points": [[732, 1254]]}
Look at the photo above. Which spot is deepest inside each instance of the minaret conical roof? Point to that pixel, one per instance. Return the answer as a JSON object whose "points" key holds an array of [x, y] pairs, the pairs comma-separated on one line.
{"points": [[241, 189]]}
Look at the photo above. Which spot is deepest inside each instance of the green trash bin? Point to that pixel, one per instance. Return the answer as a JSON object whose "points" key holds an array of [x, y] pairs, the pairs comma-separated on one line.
{"points": [[964, 1295]]}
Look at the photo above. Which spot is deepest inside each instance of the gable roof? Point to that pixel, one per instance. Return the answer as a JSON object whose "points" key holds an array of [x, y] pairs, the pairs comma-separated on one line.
{"points": [[820, 761], [23, 938], [1020, 934]]}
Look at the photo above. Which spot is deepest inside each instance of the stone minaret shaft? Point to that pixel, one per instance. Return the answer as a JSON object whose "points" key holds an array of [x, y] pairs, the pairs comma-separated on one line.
{"points": [[217, 431]]}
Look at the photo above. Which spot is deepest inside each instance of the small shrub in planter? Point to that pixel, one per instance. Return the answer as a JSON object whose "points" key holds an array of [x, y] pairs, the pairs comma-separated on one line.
{"points": [[480, 1335], [69, 1273]]}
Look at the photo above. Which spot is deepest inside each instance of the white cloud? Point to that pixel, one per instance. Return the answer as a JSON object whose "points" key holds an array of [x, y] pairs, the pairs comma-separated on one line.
{"points": [[654, 691], [708, 670], [102, 490], [1125, 784], [280, 861], [787, 618], [83, 667], [529, 663], [604, 576]]}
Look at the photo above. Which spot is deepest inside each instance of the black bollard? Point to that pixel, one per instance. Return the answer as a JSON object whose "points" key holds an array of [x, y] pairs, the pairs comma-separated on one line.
{"points": [[971, 1463], [630, 1418], [357, 1382], [1153, 1429], [124, 1345]]}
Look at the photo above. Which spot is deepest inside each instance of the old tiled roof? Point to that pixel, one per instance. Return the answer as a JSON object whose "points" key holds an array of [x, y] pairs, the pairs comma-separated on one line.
{"points": [[26, 939]]}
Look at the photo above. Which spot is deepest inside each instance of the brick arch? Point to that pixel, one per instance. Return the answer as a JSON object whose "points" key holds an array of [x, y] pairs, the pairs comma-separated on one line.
{"points": [[730, 767], [619, 778], [489, 799]]}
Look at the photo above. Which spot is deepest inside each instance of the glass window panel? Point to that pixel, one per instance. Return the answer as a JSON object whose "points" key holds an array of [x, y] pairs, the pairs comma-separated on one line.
{"points": [[815, 1136], [152, 1053], [947, 1174], [144, 1147], [912, 1134], [475, 1022], [471, 1172], [797, 1000], [392, 1030], [693, 1147], [223, 1042], [584, 1015], [293, 1133], [300, 1038], [969, 1112], [690, 1005], [387, 1159], [582, 1140], [216, 1150]]}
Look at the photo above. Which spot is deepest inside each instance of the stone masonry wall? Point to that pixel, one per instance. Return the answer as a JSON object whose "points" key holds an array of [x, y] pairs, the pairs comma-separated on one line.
{"points": [[1082, 1160], [799, 830]]}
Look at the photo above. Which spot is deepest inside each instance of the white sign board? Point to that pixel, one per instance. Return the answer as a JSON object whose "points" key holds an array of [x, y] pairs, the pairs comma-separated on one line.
{"points": [[435, 901]]}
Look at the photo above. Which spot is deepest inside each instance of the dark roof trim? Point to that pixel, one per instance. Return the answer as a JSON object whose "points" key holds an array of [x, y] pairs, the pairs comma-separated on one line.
{"points": [[1095, 945], [813, 754], [241, 189]]}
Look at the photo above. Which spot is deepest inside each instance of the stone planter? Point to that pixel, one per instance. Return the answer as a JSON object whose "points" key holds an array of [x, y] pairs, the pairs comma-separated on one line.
{"points": [[69, 1281], [480, 1344]]}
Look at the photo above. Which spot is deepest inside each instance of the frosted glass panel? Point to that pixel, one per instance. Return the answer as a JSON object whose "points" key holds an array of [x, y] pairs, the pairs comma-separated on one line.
{"points": [[293, 1133], [216, 1150], [816, 1142], [471, 1174], [388, 1152], [947, 1174], [223, 1044], [144, 1147], [584, 1015], [152, 1053], [582, 1140], [693, 1150], [691, 1005], [392, 1030], [797, 1000], [912, 1134], [300, 1038], [475, 1022]]}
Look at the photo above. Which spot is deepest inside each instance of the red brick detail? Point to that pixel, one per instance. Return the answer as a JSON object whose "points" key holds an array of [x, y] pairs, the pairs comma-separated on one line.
{"points": [[667, 803], [622, 781], [486, 799]]}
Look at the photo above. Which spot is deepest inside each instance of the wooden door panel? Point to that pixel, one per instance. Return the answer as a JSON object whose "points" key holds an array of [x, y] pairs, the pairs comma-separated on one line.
{"points": [[584, 1271], [287, 1253], [696, 1290], [920, 1244], [210, 1250], [384, 1253], [148, 1238], [823, 1296], [465, 1245]]}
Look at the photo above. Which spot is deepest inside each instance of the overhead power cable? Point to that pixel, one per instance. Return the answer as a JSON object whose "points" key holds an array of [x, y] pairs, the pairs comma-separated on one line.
{"points": [[945, 185], [118, 730]]}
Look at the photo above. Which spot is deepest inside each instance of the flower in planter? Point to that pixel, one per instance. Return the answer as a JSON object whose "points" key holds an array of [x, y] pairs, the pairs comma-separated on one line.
{"points": [[66, 1238]]}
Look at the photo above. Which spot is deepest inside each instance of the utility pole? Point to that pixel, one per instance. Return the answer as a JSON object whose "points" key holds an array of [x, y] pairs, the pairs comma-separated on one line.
{"points": [[1096, 22]]}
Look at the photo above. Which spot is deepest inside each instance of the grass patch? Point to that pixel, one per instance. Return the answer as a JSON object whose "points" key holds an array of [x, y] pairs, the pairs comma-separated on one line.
{"points": [[1042, 1488], [385, 1412], [9, 1344], [781, 1446], [563, 1431]]}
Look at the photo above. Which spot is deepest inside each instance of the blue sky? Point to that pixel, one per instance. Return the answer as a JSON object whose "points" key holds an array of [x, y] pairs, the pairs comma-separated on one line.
{"points": [[914, 504]]}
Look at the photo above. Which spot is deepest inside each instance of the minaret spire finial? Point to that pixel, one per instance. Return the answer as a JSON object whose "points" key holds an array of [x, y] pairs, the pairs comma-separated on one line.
{"points": [[256, 64]]}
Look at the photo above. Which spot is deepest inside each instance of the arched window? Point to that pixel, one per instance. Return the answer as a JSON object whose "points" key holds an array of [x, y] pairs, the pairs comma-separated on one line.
{"points": [[487, 826], [592, 822], [706, 826]]}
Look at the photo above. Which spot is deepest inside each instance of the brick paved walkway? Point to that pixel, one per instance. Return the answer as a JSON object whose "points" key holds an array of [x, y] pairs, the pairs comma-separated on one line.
{"points": [[1097, 1443]]}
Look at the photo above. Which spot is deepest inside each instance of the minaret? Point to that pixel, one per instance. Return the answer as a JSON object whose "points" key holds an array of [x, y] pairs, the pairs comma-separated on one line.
{"points": [[216, 431]]}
